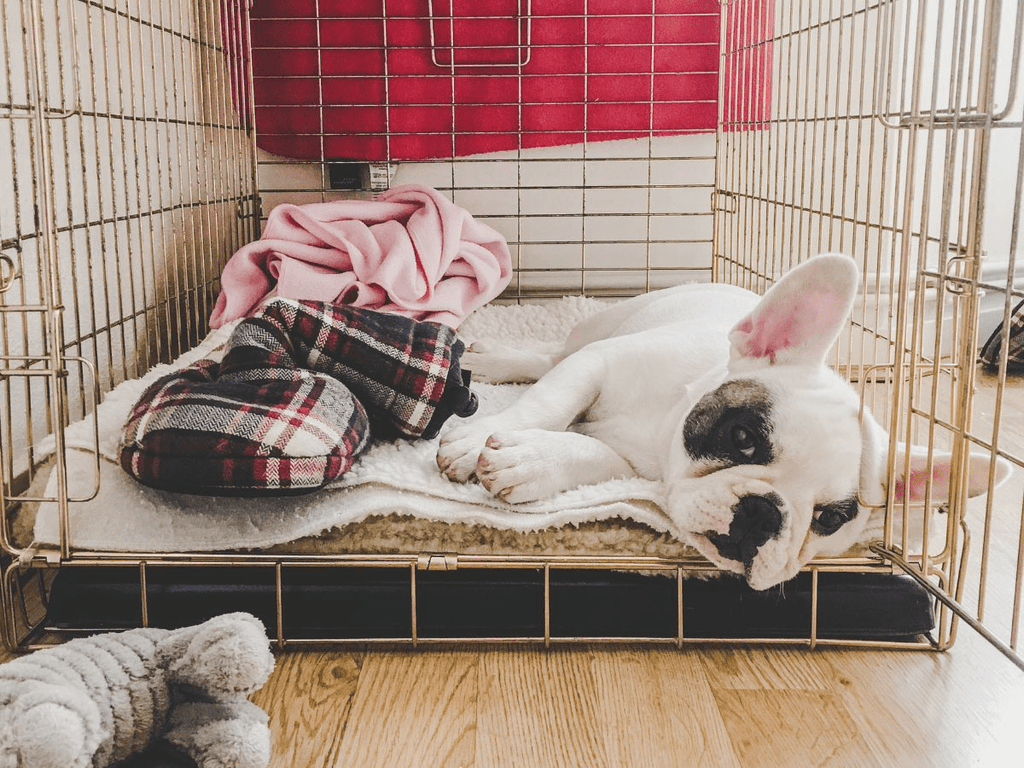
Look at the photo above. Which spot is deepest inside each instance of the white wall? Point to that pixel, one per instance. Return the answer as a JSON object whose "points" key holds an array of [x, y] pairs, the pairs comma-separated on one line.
{"points": [[594, 215]]}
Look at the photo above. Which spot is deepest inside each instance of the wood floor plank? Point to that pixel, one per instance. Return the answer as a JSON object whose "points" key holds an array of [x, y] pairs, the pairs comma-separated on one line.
{"points": [[766, 668], [963, 707], [657, 710], [772, 728], [309, 698], [538, 709], [411, 709]]}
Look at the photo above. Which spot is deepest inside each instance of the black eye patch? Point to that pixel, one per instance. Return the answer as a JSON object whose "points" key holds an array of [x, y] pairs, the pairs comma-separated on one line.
{"points": [[731, 425], [829, 518]]}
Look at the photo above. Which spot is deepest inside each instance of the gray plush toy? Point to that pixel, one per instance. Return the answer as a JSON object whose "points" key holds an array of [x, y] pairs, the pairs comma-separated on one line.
{"points": [[98, 700]]}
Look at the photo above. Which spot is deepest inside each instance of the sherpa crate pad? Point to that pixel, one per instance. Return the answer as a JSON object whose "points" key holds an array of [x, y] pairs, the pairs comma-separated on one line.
{"points": [[262, 422]]}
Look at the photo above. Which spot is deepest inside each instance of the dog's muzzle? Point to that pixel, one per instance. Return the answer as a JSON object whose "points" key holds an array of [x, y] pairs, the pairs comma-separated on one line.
{"points": [[755, 520]]}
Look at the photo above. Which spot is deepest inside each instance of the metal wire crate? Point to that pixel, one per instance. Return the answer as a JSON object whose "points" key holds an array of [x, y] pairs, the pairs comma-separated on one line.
{"points": [[139, 139], [894, 134]]}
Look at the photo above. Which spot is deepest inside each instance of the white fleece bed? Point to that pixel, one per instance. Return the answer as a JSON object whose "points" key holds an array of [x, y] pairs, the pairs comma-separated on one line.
{"points": [[392, 497]]}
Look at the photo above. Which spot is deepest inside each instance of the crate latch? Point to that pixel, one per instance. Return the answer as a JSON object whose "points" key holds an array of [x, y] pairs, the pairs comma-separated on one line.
{"points": [[474, 37], [437, 562], [36, 554]]}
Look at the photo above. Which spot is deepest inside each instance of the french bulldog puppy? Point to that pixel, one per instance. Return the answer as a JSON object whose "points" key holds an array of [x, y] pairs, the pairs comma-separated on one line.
{"points": [[725, 396]]}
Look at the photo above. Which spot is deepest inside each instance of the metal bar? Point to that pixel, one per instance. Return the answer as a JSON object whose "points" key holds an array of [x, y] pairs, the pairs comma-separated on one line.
{"points": [[279, 603], [400, 642], [814, 609], [950, 603], [144, 593], [697, 565], [413, 609], [680, 636], [547, 605]]}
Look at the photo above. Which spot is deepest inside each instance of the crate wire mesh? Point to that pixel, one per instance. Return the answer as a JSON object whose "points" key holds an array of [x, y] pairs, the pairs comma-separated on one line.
{"points": [[133, 181], [599, 118], [836, 131], [895, 135]]}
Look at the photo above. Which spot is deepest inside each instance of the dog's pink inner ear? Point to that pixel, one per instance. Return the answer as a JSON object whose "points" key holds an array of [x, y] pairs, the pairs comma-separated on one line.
{"points": [[774, 329], [773, 332], [913, 486]]}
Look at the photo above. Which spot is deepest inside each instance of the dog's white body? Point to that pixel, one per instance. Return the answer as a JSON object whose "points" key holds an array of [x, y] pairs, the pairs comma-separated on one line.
{"points": [[720, 393]]}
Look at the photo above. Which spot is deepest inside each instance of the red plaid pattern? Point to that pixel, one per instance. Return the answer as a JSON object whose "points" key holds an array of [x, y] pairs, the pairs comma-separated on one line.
{"points": [[406, 372], [291, 404], [256, 423]]}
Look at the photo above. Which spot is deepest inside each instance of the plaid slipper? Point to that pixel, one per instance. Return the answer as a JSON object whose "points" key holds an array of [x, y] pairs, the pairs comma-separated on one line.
{"points": [[405, 372], [254, 424], [291, 403], [1015, 343]]}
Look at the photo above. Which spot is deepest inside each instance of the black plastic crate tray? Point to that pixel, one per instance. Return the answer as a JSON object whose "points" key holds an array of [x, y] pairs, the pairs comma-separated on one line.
{"points": [[353, 603]]}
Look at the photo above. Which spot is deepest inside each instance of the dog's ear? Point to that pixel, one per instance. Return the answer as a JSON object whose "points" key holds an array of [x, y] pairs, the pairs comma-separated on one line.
{"points": [[912, 473], [910, 481], [800, 317]]}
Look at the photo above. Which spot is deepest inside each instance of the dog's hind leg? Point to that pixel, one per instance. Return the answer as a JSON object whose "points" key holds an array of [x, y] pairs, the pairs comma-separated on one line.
{"points": [[530, 464], [497, 363]]}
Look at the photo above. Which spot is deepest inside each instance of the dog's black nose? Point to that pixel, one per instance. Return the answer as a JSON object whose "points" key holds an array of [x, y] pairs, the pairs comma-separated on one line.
{"points": [[755, 520]]}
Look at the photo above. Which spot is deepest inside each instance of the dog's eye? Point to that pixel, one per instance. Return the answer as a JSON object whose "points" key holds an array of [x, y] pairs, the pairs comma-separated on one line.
{"points": [[743, 441], [828, 520]]}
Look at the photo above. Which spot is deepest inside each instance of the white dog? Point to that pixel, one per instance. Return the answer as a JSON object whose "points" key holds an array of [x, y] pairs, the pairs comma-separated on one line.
{"points": [[723, 395]]}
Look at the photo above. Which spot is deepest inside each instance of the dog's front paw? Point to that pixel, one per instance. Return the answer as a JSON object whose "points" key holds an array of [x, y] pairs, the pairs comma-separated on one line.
{"points": [[514, 467], [459, 449]]}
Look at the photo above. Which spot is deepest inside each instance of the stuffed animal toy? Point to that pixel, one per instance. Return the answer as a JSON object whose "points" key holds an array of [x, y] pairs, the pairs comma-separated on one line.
{"points": [[98, 700]]}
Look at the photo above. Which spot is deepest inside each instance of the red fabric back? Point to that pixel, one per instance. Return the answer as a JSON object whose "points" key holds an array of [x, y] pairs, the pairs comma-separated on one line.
{"points": [[389, 80]]}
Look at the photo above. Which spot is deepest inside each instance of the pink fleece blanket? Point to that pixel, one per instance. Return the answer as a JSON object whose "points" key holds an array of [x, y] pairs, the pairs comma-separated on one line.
{"points": [[411, 251]]}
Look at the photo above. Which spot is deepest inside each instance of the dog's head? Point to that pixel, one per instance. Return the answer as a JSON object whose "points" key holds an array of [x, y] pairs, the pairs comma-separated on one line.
{"points": [[771, 464]]}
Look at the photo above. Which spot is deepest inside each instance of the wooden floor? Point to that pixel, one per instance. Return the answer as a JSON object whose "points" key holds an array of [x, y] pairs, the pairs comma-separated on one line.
{"points": [[598, 706], [633, 706]]}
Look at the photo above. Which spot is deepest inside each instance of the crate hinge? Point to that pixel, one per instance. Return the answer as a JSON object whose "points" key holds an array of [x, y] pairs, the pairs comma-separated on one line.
{"points": [[432, 561]]}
